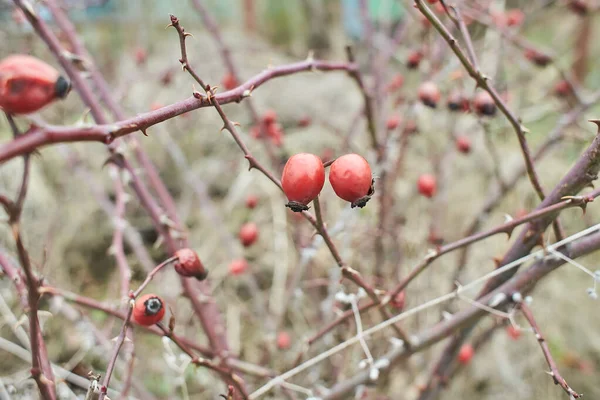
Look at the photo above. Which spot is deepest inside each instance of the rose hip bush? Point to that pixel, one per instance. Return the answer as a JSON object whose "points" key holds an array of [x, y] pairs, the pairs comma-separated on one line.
{"points": [[201, 216]]}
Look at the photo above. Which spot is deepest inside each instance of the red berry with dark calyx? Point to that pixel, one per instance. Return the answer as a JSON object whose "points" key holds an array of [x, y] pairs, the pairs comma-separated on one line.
{"points": [[458, 102], [429, 94], [28, 84], [483, 103], [393, 122], [188, 264], [238, 267], [513, 332], [463, 144], [284, 341], [148, 310], [427, 185], [251, 201], [539, 59], [302, 180], [432, 1], [414, 59], [563, 89], [248, 234], [465, 354], [351, 179]]}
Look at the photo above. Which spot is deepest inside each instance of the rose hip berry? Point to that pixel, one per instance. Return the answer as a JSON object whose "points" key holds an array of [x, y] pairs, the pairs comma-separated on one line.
{"points": [[284, 341], [248, 234], [513, 332], [396, 83], [269, 117], [429, 94], [238, 267], [393, 122], [188, 264], [148, 310], [398, 301], [251, 201], [484, 104], [351, 178], [427, 185], [465, 354], [562, 89], [302, 180], [539, 59], [457, 102], [28, 84], [414, 59], [463, 144], [229, 82]]}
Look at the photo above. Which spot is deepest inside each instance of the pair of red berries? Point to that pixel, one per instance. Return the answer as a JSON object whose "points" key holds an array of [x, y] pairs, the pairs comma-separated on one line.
{"points": [[28, 84], [304, 176]]}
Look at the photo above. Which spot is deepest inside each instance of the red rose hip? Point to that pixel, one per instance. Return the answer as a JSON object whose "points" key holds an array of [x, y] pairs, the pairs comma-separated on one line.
{"points": [[427, 185], [148, 310], [484, 104], [251, 201], [463, 144], [465, 354], [302, 180], [284, 341], [429, 94], [238, 267], [188, 264], [28, 84], [248, 234], [351, 179]]}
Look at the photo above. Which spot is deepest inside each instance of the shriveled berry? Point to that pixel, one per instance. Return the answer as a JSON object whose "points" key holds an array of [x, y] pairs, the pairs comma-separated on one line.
{"points": [[429, 94], [302, 180], [148, 310], [427, 185], [238, 267], [188, 264], [248, 234], [351, 179]]}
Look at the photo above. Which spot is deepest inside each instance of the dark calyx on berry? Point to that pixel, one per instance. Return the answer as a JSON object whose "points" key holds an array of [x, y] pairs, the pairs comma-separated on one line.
{"points": [[62, 87], [365, 199], [488, 109], [296, 206], [153, 306]]}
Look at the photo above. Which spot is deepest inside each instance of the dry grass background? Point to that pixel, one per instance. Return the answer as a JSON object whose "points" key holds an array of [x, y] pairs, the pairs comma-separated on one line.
{"points": [[66, 226]]}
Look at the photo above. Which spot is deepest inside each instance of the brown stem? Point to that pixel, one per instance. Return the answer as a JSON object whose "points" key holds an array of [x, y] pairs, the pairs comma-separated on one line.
{"points": [[558, 379]]}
